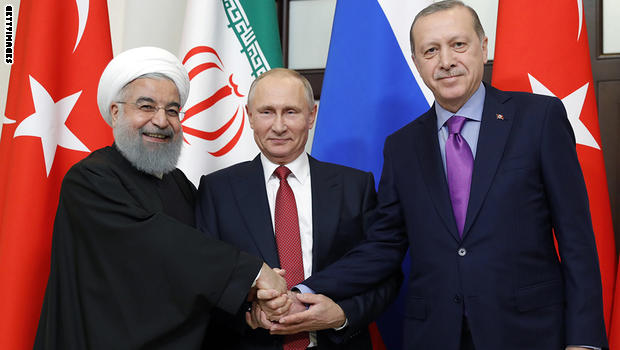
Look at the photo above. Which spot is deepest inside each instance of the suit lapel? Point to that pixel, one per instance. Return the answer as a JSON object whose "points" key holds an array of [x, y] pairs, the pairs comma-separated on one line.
{"points": [[248, 186], [495, 128], [427, 144], [326, 204]]}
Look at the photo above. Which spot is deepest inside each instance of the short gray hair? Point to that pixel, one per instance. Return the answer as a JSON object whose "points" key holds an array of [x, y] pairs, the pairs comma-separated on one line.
{"points": [[286, 72], [443, 6]]}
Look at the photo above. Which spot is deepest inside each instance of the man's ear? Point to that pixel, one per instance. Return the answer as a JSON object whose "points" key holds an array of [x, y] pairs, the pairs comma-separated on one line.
{"points": [[114, 112], [415, 63], [485, 49], [250, 119], [312, 117]]}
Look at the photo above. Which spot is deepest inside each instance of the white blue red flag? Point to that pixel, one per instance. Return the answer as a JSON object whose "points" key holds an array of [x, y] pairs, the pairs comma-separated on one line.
{"points": [[371, 89]]}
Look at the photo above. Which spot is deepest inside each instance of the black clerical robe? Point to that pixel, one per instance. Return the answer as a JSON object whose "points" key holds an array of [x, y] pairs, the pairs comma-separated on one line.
{"points": [[128, 270]]}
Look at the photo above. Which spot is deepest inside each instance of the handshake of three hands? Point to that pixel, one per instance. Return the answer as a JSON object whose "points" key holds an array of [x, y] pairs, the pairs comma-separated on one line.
{"points": [[282, 311]]}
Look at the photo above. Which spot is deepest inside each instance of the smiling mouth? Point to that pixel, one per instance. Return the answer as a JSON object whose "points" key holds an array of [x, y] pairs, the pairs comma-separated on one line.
{"points": [[157, 136], [452, 73], [448, 77], [279, 140]]}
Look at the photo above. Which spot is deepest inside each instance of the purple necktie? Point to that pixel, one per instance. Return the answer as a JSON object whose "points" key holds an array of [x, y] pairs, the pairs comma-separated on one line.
{"points": [[459, 166]]}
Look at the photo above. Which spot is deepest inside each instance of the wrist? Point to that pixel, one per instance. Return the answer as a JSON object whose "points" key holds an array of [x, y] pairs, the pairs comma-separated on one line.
{"points": [[344, 325], [341, 320]]}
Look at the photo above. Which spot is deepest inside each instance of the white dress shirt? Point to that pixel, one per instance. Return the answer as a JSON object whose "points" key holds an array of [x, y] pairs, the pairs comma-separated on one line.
{"points": [[300, 183]]}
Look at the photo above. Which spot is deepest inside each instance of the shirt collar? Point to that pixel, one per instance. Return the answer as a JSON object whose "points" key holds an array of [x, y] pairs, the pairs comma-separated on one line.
{"points": [[472, 109], [300, 167]]}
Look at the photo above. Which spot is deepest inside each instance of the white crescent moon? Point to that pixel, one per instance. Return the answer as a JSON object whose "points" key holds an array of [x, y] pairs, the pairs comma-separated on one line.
{"points": [[580, 7], [6, 120], [82, 6]]}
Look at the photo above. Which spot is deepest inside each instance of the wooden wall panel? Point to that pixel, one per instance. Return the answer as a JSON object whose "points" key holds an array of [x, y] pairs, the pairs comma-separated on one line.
{"points": [[609, 121]]}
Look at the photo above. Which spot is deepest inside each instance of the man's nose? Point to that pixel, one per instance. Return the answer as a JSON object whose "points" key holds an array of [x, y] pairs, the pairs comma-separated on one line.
{"points": [[446, 59], [160, 119], [279, 124]]}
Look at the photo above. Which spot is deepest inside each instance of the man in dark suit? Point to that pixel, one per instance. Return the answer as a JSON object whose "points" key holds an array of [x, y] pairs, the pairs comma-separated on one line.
{"points": [[476, 188], [334, 205]]}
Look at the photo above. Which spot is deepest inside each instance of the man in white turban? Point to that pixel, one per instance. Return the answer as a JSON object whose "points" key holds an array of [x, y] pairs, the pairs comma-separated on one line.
{"points": [[128, 269]]}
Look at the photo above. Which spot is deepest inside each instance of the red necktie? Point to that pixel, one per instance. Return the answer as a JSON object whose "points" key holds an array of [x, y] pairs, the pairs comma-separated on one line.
{"points": [[289, 246]]}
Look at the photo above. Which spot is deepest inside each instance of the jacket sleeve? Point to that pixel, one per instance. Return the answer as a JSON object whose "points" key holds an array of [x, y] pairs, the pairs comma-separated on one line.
{"points": [[362, 309], [206, 221], [376, 258], [570, 211]]}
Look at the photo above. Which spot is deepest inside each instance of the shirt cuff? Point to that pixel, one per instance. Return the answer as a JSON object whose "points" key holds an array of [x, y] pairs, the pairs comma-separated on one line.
{"points": [[346, 323], [256, 279], [305, 289], [587, 347]]}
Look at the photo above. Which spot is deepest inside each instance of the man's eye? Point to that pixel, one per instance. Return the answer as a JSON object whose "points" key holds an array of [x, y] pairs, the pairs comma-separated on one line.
{"points": [[147, 108], [172, 112], [430, 52], [459, 45]]}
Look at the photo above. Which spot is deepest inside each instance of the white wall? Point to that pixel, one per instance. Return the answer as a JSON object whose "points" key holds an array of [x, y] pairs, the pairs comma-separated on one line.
{"points": [[308, 50], [136, 23], [611, 26]]}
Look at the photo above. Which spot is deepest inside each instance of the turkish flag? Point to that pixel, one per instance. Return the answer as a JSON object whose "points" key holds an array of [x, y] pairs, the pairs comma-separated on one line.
{"points": [[542, 47], [51, 122]]}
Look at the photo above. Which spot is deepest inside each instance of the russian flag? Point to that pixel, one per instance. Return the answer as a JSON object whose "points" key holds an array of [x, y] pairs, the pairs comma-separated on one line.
{"points": [[371, 89]]}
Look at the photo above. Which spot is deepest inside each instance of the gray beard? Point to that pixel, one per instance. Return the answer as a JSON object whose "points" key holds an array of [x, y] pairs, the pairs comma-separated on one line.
{"points": [[156, 158]]}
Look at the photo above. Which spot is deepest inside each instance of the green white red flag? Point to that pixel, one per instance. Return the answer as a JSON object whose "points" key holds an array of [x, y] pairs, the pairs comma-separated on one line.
{"points": [[225, 45]]}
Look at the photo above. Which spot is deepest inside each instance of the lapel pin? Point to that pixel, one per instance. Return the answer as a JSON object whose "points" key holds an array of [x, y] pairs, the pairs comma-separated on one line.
{"points": [[499, 116]]}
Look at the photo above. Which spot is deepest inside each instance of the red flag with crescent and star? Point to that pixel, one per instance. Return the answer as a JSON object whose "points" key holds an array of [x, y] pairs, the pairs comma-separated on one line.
{"points": [[542, 47], [51, 122]]}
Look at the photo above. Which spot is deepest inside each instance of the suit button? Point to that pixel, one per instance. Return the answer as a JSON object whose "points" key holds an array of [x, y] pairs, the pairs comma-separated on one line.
{"points": [[457, 299], [462, 251]]}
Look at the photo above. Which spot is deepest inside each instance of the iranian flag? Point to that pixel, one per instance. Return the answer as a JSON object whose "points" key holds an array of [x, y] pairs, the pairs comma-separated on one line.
{"points": [[51, 122], [226, 44], [543, 48]]}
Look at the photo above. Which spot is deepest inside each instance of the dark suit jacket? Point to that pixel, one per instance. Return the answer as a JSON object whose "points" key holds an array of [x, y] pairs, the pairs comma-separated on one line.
{"points": [[504, 274], [232, 206]]}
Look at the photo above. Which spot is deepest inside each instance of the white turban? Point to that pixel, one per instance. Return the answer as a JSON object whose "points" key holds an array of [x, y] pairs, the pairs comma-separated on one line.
{"points": [[129, 65]]}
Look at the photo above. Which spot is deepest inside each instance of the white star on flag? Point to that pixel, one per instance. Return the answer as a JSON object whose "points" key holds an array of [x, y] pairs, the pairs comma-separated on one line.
{"points": [[48, 123], [573, 104]]}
